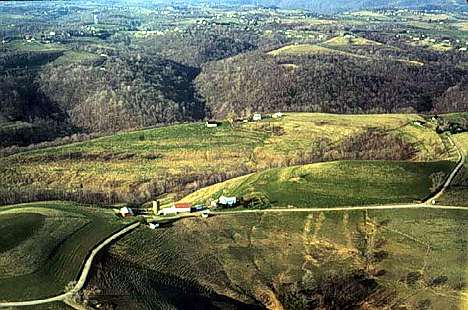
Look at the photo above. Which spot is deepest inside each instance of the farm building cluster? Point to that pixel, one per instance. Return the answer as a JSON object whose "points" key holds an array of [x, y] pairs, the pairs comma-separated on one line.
{"points": [[256, 117]]}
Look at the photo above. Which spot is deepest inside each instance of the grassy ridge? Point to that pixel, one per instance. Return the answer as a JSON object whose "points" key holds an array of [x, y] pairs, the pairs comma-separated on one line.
{"points": [[59, 236], [344, 183], [145, 163]]}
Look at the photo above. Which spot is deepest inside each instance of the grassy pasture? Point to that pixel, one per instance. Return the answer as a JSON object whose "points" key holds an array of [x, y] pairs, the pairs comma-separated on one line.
{"points": [[131, 161], [76, 56], [249, 257], [302, 49], [46, 246], [341, 41], [16, 228], [334, 48], [35, 46], [345, 183]]}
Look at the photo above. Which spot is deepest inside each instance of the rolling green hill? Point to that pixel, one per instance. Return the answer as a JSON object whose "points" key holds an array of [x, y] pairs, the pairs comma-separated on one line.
{"points": [[182, 158], [43, 246], [344, 183]]}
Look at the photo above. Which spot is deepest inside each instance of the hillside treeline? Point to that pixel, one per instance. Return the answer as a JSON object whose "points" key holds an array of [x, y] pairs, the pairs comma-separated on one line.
{"points": [[124, 92], [120, 92], [198, 45], [328, 83]]}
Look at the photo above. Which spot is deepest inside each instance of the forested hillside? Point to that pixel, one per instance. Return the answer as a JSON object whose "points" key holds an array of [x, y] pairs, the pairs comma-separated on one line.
{"points": [[331, 82], [93, 69]]}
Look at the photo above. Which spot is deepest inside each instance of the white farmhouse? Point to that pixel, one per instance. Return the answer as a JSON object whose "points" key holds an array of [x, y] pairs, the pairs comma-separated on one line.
{"points": [[227, 201]]}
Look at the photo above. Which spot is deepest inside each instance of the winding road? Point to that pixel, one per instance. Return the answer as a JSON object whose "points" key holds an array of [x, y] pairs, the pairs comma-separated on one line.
{"points": [[427, 204]]}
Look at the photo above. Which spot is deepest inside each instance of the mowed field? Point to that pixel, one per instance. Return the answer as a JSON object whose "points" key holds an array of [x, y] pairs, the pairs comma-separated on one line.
{"points": [[418, 258], [149, 162], [43, 246], [331, 184]]}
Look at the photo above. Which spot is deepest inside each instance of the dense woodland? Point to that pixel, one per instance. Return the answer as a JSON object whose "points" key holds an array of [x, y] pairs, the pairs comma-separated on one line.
{"points": [[330, 83]]}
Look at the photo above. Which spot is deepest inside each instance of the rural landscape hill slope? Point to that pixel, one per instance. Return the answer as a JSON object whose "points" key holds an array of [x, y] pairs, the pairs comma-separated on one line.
{"points": [[268, 260], [135, 166], [337, 132]]}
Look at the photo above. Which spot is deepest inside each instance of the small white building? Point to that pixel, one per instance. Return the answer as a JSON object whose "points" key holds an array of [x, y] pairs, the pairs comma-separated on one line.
{"points": [[257, 117], [126, 212], [227, 201], [278, 115], [153, 225], [211, 124]]}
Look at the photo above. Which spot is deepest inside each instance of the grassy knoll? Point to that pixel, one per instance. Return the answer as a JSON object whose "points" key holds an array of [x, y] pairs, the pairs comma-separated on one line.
{"points": [[458, 192], [46, 244], [415, 258], [335, 47], [302, 49], [341, 41], [344, 183], [189, 156]]}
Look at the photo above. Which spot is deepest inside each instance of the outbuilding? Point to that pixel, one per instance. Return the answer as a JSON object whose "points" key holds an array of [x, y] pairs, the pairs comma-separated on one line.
{"points": [[212, 124], [181, 207], [257, 117]]}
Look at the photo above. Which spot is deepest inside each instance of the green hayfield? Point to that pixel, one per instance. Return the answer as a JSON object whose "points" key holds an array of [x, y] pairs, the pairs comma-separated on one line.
{"points": [[343, 183], [43, 246], [133, 161], [35, 46], [249, 257]]}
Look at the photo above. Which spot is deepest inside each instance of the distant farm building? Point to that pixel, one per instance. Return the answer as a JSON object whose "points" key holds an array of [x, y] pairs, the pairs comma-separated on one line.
{"points": [[278, 115], [126, 212], [227, 201], [257, 117], [177, 208], [153, 225]]}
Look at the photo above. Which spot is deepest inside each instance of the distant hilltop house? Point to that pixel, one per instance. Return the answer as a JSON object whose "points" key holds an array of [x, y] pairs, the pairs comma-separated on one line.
{"points": [[126, 212], [6, 40], [257, 117], [212, 124], [177, 208], [278, 115]]}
